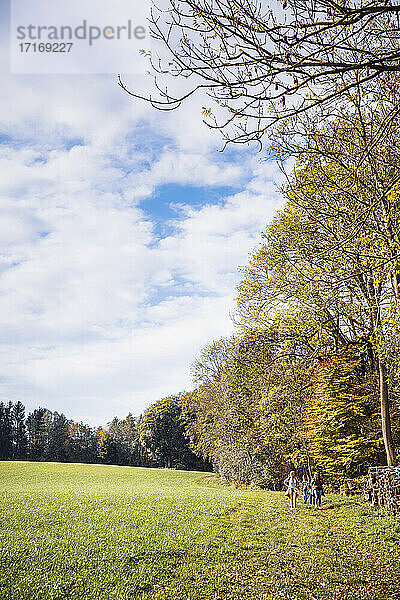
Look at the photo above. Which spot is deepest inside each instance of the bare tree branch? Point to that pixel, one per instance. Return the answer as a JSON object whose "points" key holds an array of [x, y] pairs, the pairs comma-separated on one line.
{"points": [[267, 63]]}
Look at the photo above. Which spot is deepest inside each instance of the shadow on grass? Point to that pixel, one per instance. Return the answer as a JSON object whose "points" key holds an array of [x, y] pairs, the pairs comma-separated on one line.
{"points": [[341, 503], [209, 481]]}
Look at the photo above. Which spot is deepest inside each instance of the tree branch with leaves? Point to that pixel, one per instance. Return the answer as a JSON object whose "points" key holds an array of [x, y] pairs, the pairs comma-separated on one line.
{"points": [[264, 63]]}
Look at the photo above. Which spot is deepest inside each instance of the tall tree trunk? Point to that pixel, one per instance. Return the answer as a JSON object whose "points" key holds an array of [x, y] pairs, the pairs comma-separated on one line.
{"points": [[386, 427]]}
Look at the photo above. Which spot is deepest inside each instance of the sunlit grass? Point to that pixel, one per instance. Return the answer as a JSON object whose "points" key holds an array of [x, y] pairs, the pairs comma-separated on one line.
{"points": [[99, 532]]}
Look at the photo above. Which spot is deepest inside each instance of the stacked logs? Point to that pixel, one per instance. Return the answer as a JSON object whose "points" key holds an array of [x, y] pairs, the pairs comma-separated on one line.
{"points": [[382, 488]]}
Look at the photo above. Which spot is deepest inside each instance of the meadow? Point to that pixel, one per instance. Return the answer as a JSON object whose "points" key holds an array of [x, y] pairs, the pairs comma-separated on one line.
{"points": [[90, 532]]}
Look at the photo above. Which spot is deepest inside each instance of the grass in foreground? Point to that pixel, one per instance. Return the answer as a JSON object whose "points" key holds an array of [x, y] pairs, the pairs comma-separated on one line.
{"points": [[95, 532]]}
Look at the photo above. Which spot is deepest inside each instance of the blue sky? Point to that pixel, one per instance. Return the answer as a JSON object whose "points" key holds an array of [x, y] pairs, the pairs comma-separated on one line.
{"points": [[121, 233]]}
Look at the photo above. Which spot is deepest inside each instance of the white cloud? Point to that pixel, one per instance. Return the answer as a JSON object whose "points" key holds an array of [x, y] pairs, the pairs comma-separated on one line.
{"points": [[98, 315]]}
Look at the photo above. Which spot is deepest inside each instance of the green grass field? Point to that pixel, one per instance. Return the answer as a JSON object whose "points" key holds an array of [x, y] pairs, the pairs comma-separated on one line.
{"points": [[98, 532]]}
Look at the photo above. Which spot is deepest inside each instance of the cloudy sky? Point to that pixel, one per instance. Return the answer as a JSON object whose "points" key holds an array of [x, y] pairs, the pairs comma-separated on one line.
{"points": [[121, 233]]}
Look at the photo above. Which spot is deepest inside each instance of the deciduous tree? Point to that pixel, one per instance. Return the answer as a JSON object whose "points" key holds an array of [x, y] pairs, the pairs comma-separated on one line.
{"points": [[342, 417], [162, 434], [332, 254], [266, 62]]}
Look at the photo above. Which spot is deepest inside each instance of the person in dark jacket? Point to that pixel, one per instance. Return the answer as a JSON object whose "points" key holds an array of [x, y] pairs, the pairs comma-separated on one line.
{"points": [[317, 486]]}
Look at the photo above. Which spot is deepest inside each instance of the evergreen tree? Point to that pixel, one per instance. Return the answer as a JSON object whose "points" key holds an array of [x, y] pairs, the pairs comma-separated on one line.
{"points": [[57, 437], [37, 425], [20, 437], [6, 445], [123, 446], [80, 444]]}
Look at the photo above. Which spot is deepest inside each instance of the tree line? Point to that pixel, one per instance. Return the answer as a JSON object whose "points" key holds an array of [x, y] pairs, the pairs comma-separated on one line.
{"points": [[310, 379], [156, 439], [311, 376]]}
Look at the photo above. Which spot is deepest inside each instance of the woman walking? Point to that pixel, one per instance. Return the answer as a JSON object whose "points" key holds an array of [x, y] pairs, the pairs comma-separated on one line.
{"points": [[317, 486], [292, 488]]}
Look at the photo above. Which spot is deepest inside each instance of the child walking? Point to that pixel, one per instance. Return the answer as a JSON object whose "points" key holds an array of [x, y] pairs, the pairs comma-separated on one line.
{"points": [[305, 488]]}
